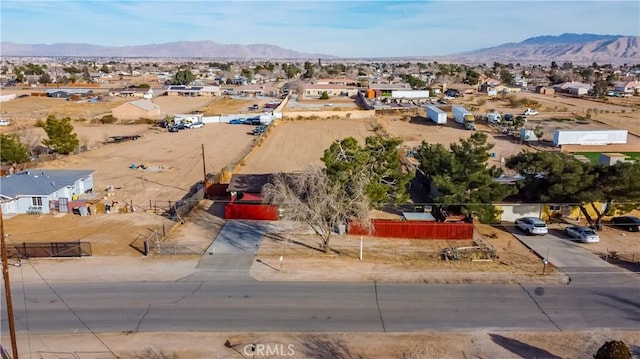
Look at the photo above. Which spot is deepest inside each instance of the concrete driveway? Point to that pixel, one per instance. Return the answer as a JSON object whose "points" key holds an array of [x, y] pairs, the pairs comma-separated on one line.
{"points": [[232, 253], [582, 266]]}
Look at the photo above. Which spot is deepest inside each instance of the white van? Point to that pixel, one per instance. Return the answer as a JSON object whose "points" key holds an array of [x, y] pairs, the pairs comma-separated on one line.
{"points": [[494, 117], [4, 122]]}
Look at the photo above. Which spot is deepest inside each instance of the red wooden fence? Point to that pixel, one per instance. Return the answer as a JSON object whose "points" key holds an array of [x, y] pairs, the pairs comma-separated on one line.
{"points": [[414, 229], [257, 211]]}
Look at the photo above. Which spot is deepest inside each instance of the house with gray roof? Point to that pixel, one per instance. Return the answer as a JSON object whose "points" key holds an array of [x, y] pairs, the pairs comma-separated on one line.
{"points": [[41, 190], [66, 93]]}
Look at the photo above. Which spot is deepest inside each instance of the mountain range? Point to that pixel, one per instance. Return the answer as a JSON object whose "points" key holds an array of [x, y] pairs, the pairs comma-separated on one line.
{"points": [[576, 48], [180, 49]]}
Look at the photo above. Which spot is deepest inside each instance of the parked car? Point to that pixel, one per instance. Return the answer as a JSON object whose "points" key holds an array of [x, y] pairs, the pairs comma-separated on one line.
{"points": [[255, 106], [629, 223], [4, 122], [236, 121], [259, 130], [582, 234], [196, 125], [174, 129], [530, 112], [253, 121], [532, 225]]}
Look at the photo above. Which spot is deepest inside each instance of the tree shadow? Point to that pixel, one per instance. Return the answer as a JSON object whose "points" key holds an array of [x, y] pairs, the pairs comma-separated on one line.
{"points": [[318, 347], [521, 349]]}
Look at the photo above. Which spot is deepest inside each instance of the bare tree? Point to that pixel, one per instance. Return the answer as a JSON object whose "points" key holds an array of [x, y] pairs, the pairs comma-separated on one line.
{"points": [[312, 198]]}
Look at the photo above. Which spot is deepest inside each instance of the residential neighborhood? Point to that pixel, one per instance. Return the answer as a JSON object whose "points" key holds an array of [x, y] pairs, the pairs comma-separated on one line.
{"points": [[201, 199]]}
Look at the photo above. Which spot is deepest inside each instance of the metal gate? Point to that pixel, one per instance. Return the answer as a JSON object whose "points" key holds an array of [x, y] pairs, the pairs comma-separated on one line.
{"points": [[50, 249], [63, 205]]}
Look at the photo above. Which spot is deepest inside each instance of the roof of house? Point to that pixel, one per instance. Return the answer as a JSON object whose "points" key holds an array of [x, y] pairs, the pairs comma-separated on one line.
{"points": [[39, 182], [328, 87], [69, 91], [249, 182], [185, 88], [393, 86], [144, 104]]}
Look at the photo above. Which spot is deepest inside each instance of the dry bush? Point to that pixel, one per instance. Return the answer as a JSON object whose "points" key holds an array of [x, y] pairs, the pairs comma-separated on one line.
{"points": [[481, 101], [613, 350]]}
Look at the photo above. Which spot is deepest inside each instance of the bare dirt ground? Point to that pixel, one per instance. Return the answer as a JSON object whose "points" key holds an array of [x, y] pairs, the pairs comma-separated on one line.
{"points": [[486, 344], [173, 161], [293, 145], [28, 109], [171, 105]]}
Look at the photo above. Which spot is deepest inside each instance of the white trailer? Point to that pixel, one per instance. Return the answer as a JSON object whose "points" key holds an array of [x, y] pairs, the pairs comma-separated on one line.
{"points": [[410, 94], [589, 137], [464, 117], [436, 115]]}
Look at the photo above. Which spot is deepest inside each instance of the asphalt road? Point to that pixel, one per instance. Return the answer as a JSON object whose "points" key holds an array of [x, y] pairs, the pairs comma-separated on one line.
{"points": [[349, 307]]}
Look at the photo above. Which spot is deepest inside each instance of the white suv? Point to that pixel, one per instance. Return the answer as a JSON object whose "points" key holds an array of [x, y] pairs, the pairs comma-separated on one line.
{"points": [[532, 225]]}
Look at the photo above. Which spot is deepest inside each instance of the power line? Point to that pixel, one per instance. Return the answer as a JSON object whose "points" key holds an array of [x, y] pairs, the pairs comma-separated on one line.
{"points": [[72, 311]]}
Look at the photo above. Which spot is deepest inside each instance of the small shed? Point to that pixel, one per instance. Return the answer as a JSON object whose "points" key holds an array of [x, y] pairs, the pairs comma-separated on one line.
{"points": [[611, 159]]}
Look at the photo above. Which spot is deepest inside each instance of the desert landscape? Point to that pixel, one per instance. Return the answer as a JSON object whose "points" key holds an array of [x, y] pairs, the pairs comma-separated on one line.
{"points": [[160, 168]]}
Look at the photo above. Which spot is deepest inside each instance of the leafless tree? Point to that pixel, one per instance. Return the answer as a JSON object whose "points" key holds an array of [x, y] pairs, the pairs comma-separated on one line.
{"points": [[311, 198]]}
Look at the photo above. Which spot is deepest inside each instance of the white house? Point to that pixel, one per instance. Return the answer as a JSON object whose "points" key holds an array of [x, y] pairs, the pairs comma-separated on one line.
{"points": [[41, 190], [628, 88]]}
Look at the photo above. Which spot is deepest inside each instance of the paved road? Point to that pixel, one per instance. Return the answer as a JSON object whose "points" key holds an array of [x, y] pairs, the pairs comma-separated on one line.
{"points": [[581, 265], [280, 306]]}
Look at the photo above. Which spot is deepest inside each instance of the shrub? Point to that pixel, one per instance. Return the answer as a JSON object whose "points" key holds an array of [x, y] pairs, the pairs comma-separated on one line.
{"points": [[481, 101], [614, 349], [40, 123], [108, 119]]}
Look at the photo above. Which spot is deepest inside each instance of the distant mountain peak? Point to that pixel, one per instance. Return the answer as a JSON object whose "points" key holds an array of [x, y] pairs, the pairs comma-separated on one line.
{"points": [[568, 38], [575, 48]]}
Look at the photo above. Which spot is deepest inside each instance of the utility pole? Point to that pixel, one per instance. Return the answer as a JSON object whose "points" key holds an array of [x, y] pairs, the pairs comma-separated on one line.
{"points": [[204, 174], [7, 288]]}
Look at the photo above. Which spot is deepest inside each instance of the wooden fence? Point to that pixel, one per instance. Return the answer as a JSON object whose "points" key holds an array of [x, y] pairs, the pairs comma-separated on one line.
{"points": [[414, 229]]}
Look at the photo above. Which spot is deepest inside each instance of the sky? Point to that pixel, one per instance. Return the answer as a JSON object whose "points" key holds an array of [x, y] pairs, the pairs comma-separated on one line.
{"points": [[339, 28]]}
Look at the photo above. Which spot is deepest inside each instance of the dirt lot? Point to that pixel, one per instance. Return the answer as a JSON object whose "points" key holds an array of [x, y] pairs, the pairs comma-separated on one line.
{"points": [[294, 145], [451, 345]]}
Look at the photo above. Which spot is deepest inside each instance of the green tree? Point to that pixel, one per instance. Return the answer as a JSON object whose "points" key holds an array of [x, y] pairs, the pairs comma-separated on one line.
{"points": [[12, 150], [473, 77], [506, 77], [61, 138], [378, 162], [105, 69], [290, 70], [461, 176], [539, 132], [324, 96], [415, 82], [308, 70], [247, 73], [560, 178], [183, 77]]}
